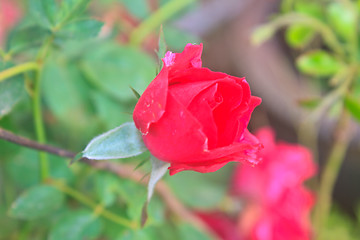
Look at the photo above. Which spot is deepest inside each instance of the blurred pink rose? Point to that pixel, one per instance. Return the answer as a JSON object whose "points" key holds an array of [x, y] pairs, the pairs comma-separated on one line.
{"points": [[222, 225], [278, 205], [10, 14]]}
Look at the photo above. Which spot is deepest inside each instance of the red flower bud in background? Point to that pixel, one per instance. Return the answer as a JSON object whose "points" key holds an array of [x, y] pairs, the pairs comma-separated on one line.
{"points": [[194, 118], [221, 224], [9, 15], [278, 205]]}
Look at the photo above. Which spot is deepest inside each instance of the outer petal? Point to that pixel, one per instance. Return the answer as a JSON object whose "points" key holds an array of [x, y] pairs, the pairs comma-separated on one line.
{"points": [[152, 103], [189, 58], [193, 75], [215, 159], [177, 135]]}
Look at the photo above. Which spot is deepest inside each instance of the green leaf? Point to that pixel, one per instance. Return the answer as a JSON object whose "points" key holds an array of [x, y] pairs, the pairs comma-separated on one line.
{"points": [[111, 112], [299, 36], [58, 90], [318, 63], [342, 19], [62, 88], [143, 234], [8, 225], [353, 106], [43, 12], [11, 92], [139, 8], [113, 68], [134, 195], [310, 8], [23, 168], [36, 202], [159, 168], [189, 232], [81, 29], [26, 37], [339, 226], [121, 142], [209, 190], [70, 9], [59, 168], [106, 186], [76, 225]]}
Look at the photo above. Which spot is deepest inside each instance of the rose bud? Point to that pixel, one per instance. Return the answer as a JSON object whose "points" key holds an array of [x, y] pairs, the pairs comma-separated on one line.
{"points": [[194, 118]]}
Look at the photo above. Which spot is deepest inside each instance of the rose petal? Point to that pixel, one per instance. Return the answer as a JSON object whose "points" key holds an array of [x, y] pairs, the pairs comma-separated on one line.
{"points": [[193, 75], [244, 118], [177, 135], [185, 93], [202, 111], [176, 168], [226, 119], [151, 106], [189, 58], [215, 159]]}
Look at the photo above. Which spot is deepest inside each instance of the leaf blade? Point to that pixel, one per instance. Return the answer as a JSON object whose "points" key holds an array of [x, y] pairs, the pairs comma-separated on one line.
{"points": [[353, 106], [121, 142], [36, 202], [318, 63]]}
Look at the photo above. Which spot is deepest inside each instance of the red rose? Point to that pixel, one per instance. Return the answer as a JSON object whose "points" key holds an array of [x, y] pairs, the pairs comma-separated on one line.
{"points": [[278, 205], [194, 118]]}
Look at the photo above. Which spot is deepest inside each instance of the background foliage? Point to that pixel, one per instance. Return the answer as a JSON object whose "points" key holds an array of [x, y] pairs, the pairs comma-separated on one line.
{"points": [[83, 76], [81, 63]]}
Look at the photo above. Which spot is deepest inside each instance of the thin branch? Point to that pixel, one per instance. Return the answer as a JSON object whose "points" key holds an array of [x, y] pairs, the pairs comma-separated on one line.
{"points": [[121, 170], [343, 134], [11, 137], [10, 72]]}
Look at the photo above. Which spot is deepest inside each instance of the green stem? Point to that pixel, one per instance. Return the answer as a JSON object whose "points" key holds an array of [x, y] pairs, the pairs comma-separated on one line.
{"points": [[39, 126], [307, 132], [10, 72], [330, 173], [326, 32], [156, 19], [98, 209], [355, 37]]}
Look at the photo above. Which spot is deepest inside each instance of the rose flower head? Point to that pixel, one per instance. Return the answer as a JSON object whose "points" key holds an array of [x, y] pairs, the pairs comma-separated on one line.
{"points": [[278, 204], [194, 118]]}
